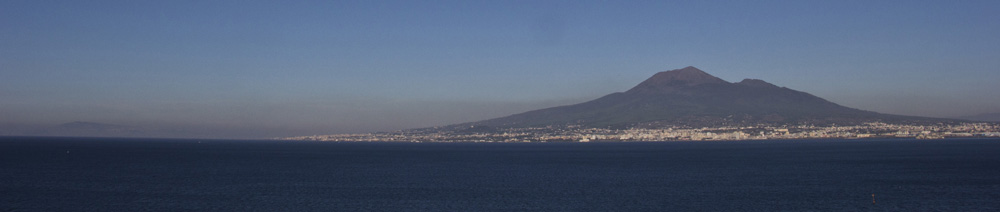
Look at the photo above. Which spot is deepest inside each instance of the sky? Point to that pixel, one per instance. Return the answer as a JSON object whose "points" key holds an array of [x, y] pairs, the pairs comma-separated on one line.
{"points": [[258, 69]]}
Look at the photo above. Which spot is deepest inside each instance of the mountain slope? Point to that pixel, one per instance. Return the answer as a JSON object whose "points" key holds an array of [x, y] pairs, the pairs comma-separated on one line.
{"points": [[691, 97]]}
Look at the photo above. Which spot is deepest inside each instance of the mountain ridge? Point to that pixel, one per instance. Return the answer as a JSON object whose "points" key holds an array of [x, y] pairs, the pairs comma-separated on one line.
{"points": [[694, 98]]}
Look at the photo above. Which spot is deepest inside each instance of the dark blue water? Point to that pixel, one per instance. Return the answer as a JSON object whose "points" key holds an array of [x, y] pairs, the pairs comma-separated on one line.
{"points": [[80, 174]]}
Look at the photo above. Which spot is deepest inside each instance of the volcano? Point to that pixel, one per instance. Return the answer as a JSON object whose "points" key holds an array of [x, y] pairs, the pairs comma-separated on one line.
{"points": [[692, 98]]}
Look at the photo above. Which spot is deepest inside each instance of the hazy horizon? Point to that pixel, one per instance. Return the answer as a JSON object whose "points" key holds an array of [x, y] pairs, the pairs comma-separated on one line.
{"points": [[258, 69]]}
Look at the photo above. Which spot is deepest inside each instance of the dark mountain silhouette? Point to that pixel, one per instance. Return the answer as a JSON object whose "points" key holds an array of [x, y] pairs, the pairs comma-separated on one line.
{"points": [[693, 98]]}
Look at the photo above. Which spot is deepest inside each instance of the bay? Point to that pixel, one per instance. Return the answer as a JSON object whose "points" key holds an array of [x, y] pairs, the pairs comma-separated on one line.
{"points": [[118, 174]]}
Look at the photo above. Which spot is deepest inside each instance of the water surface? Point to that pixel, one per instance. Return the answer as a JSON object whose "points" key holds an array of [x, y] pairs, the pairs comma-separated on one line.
{"points": [[98, 174]]}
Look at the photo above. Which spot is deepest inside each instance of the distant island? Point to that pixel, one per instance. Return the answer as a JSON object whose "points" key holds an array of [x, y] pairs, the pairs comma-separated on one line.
{"points": [[688, 104]]}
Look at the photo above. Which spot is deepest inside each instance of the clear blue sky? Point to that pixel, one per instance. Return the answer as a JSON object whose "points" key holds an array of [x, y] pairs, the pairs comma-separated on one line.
{"points": [[274, 68]]}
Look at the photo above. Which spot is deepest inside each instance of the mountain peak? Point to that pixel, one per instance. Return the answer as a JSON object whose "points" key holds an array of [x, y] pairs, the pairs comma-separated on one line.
{"points": [[670, 80], [693, 98], [755, 83]]}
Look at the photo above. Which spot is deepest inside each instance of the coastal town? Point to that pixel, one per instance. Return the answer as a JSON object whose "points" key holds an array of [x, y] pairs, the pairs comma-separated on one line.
{"points": [[576, 133]]}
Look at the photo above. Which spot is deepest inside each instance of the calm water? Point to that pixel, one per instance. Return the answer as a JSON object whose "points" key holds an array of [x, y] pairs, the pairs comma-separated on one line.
{"points": [[77, 174]]}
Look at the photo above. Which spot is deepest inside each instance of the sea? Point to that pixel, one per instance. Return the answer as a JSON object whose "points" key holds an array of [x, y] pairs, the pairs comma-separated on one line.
{"points": [[128, 174]]}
